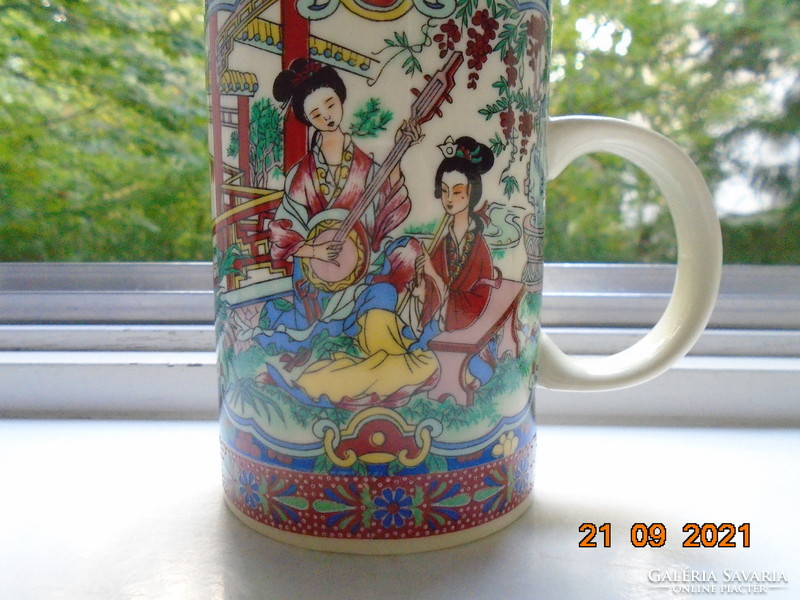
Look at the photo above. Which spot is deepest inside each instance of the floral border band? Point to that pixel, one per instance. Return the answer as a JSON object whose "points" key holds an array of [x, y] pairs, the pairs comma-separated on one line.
{"points": [[365, 507]]}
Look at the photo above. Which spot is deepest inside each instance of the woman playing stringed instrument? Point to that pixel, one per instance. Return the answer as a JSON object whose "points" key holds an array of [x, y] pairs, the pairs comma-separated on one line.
{"points": [[333, 175]]}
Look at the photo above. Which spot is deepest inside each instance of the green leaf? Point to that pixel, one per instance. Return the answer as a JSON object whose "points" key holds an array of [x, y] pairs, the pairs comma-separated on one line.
{"points": [[497, 145], [510, 185], [297, 502], [457, 500], [366, 519], [366, 498], [233, 147], [322, 464], [412, 65], [436, 463], [395, 467], [492, 109], [327, 506], [369, 120], [485, 493], [501, 85], [504, 39]]}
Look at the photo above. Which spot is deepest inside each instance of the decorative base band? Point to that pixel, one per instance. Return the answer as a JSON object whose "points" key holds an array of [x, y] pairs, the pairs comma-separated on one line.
{"points": [[376, 547], [325, 511]]}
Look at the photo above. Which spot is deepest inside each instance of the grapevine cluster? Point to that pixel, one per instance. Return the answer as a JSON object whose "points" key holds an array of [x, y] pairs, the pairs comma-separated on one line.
{"points": [[535, 27], [479, 44], [536, 36], [507, 117], [448, 39], [526, 130], [511, 61]]}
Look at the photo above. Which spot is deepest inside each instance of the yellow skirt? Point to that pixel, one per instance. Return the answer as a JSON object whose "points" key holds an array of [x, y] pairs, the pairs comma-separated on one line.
{"points": [[387, 366]]}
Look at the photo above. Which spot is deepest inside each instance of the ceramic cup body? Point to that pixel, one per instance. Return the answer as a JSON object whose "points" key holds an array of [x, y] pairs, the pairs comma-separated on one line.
{"points": [[378, 176]]}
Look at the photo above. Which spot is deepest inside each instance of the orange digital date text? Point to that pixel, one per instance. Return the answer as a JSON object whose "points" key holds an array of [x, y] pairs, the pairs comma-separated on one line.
{"points": [[654, 535]]}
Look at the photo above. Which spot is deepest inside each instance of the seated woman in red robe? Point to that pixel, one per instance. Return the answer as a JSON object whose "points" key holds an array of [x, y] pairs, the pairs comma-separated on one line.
{"points": [[456, 278], [454, 281]]}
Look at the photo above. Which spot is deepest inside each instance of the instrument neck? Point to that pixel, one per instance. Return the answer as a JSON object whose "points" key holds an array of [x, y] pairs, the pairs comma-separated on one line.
{"points": [[374, 186]]}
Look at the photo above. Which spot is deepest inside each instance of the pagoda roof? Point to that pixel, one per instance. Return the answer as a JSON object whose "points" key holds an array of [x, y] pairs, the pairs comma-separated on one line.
{"points": [[267, 35], [237, 83]]}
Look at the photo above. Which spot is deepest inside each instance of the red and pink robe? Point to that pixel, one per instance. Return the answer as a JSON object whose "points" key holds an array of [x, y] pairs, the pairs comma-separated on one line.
{"points": [[313, 186], [469, 276]]}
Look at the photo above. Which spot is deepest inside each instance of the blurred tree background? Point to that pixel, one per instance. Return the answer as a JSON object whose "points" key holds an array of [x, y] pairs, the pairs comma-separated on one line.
{"points": [[103, 126], [103, 149], [719, 77]]}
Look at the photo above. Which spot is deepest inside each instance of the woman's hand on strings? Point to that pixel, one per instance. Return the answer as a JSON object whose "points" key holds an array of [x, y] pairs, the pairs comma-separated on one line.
{"points": [[412, 130], [328, 252], [416, 287], [424, 264]]}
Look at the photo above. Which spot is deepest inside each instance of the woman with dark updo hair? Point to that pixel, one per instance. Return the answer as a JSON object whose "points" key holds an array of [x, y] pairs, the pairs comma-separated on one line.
{"points": [[333, 175], [334, 172], [455, 280]]}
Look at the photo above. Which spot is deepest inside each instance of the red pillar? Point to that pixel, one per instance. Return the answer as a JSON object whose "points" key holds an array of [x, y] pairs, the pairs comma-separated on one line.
{"points": [[216, 113], [223, 235], [244, 138], [295, 35]]}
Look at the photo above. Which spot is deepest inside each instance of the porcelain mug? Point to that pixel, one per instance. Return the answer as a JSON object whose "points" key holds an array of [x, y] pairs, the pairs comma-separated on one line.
{"points": [[378, 177]]}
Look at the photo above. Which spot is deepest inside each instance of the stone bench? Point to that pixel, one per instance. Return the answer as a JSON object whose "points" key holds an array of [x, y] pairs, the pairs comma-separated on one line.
{"points": [[454, 349]]}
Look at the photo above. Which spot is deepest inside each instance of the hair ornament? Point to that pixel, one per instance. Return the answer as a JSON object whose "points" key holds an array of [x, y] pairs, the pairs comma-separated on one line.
{"points": [[466, 154], [449, 147], [452, 150], [309, 69]]}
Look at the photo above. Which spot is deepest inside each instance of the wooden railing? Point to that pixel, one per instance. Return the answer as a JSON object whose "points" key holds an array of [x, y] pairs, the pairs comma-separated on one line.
{"points": [[244, 220]]}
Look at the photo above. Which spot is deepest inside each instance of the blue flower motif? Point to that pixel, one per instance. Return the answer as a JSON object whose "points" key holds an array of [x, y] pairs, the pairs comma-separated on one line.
{"points": [[522, 473], [249, 489], [393, 507]]}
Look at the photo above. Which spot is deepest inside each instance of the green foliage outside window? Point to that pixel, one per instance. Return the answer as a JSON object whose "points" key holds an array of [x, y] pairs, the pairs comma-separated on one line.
{"points": [[103, 126]]}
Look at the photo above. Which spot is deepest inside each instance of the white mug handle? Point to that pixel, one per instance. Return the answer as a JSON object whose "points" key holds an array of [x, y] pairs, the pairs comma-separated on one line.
{"points": [[699, 254]]}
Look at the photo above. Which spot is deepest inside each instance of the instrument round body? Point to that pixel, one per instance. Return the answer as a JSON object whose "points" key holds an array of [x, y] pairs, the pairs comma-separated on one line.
{"points": [[348, 267]]}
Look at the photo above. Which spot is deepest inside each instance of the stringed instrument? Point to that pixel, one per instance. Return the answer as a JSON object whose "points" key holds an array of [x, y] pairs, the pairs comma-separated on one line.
{"points": [[344, 226]]}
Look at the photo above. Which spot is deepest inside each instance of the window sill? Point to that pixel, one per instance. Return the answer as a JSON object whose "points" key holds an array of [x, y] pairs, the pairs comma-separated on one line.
{"points": [[135, 509]]}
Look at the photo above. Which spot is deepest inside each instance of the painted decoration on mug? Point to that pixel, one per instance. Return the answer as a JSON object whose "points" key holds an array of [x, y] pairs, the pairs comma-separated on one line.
{"points": [[378, 223]]}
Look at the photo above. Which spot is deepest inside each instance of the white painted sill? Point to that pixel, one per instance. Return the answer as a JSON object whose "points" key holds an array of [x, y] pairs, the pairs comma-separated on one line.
{"points": [[136, 340], [134, 510]]}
